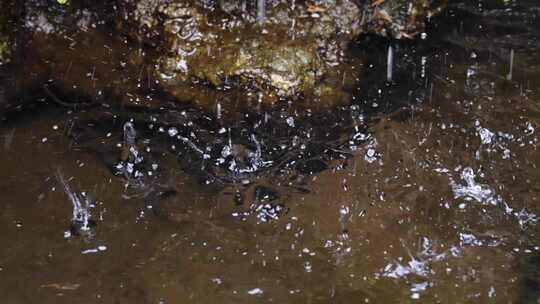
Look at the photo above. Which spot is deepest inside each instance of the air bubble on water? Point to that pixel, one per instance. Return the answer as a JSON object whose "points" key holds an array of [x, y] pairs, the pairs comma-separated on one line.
{"points": [[491, 292], [308, 267], [95, 250], [529, 128], [418, 288], [290, 121], [255, 291], [370, 155], [129, 133], [173, 131]]}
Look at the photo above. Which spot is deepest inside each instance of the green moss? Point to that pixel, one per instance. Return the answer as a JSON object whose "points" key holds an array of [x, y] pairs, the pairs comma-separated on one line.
{"points": [[7, 12], [5, 50], [296, 50]]}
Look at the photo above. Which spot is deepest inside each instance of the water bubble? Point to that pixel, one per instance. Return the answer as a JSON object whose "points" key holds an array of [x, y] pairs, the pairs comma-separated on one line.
{"points": [[308, 267], [255, 291], [172, 131]]}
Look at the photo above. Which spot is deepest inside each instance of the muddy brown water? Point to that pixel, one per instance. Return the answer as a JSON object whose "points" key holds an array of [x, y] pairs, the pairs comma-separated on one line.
{"points": [[422, 190]]}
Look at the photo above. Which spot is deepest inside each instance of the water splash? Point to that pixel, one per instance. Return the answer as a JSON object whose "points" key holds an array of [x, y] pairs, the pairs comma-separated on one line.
{"points": [[473, 191], [484, 194], [371, 153], [131, 159], [82, 203], [390, 64], [510, 65], [255, 292], [419, 265], [261, 11]]}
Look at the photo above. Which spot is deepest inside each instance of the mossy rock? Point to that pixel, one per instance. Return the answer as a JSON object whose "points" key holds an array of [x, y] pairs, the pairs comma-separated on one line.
{"points": [[7, 30], [298, 49]]}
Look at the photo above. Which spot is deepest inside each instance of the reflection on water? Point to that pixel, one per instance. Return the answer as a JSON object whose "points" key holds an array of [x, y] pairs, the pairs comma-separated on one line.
{"points": [[424, 189]]}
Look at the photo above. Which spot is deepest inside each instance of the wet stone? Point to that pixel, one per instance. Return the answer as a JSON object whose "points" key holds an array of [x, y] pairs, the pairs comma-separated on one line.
{"points": [[297, 49], [7, 31], [438, 201], [5, 50]]}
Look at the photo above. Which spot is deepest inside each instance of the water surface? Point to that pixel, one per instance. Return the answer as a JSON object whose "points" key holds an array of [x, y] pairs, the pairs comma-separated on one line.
{"points": [[424, 189]]}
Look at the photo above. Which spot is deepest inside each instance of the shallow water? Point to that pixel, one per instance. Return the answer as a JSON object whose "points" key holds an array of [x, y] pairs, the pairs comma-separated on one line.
{"points": [[422, 190]]}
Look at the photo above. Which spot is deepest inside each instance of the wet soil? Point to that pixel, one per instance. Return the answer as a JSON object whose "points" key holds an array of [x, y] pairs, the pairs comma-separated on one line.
{"points": [[421, 189]]}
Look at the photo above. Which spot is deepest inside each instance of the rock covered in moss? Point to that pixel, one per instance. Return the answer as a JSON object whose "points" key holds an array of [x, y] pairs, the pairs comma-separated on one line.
{"points": [[8, 14], [5, 50], [399, 19], [298, 47]]}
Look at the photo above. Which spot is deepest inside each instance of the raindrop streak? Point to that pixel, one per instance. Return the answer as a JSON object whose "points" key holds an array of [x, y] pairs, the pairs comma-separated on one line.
{"points": [[129, 134], [218, 110], [511, 67], [390, 64], [261, 11]]}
